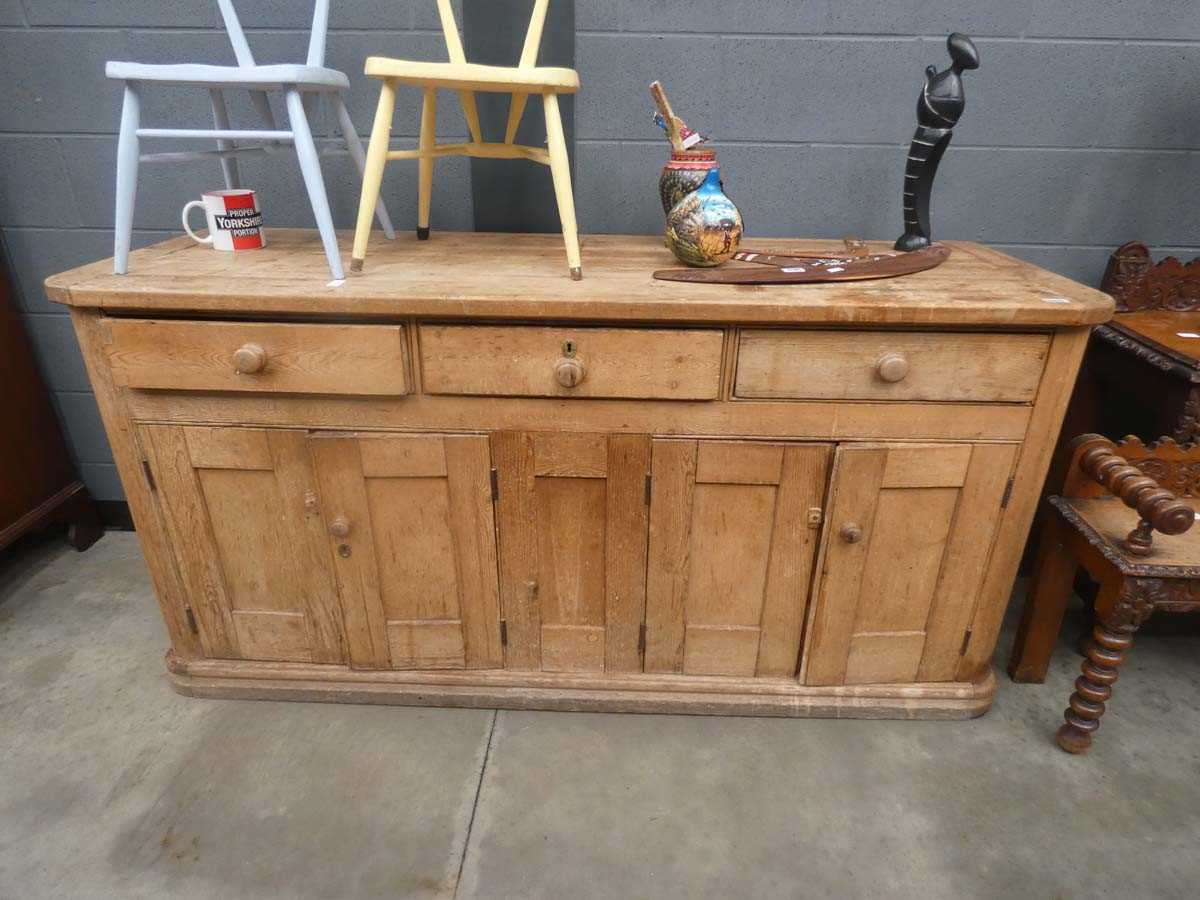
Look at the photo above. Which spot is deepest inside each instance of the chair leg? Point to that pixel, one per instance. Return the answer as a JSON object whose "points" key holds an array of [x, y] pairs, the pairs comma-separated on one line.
{"points": [[377, 151], [1111, 639], [516, 110], [560, 168], [263, 106], [229, 165], [354, 145], [128, 155], [310, 167], [425, 164], [1045, 604]]}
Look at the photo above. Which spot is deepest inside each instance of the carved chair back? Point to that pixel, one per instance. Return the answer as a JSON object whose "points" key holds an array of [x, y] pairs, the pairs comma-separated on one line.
{"points": [[533, 35], [1137, 283], [241, 47]]}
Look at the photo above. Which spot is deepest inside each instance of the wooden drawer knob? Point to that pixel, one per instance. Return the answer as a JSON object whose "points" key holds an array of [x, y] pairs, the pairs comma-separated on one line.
{"points": [[570, 371], [340, 527], [851, 533], [892, 367], [250, 359]]}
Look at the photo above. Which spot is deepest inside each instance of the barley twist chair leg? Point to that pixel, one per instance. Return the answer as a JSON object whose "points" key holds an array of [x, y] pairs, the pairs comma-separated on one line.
{"points": [[1112, 637], [377, 151], [1094, 687], [560, 169]]}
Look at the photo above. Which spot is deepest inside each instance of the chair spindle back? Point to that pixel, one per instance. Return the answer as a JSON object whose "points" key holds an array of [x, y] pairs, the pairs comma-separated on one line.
{"points": [[241, 47], [533, 35]]}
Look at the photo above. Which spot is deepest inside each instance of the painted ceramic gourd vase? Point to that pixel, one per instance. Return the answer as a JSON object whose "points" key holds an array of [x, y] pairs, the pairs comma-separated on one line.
{"points": [[684, 173], [705, 228]]}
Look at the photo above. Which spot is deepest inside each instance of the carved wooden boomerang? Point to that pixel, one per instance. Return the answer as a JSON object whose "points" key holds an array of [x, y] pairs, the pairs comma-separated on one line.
{"points": [[779, 268]]}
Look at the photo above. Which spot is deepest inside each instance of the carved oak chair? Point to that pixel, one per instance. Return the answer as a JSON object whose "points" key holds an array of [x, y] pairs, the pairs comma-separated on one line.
{"points": [[1091, 526], [301, 85], [467, 78]]}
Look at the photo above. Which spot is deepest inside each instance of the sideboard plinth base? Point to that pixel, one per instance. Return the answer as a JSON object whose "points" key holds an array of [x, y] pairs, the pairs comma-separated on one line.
{"points": [[564, 692]]}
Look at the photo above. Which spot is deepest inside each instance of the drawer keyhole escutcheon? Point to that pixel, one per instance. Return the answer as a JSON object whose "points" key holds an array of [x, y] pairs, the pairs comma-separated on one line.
{"points": [[851, 533], [249, 359], [340, 528], [892, 367], [570, 370]]}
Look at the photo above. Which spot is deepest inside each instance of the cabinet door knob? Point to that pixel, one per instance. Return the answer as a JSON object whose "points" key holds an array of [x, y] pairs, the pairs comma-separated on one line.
{"points": [[892, 367], [851, 533], [569, 371], [249, 359], [340, 527]]}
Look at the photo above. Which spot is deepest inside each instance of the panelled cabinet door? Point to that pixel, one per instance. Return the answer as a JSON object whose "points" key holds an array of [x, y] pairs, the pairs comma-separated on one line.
{"points": [[908, 535], [572, 530], [240, 506], [734, 527], [412, 538]]}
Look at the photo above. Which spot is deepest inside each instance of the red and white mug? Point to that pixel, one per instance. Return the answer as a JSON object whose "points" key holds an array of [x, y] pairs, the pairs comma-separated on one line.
{"points": [[234, 220]]}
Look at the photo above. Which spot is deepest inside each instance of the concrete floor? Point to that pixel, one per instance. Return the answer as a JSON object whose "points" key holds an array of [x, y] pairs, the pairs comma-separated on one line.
{"points": [[111, 785]]}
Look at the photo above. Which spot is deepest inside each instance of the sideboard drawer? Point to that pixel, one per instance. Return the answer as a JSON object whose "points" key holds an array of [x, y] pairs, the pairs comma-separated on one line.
{"points": [[531, 361], [890, 365], [361, 360]]}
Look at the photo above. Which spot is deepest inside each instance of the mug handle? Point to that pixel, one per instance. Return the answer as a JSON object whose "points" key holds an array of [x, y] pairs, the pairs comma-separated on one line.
{"points": [[187, 209]]}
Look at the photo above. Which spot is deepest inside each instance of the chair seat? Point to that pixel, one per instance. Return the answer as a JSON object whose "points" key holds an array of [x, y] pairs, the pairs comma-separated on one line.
{"points": [[469, 76], [1105, 522], [313, 77]]}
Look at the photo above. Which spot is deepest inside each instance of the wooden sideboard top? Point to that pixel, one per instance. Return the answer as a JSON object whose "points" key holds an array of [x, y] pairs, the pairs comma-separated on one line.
{"points": [[504, 276]]}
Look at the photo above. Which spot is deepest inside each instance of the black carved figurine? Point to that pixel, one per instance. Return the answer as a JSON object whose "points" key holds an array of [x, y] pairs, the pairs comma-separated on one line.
{"points": [[941, 104]]}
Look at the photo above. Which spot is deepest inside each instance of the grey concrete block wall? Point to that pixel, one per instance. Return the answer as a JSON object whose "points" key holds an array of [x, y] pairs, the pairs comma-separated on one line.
{"points": [[1082, 129]]}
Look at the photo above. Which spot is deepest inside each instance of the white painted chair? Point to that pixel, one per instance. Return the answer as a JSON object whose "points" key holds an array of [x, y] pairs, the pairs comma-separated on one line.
{"points": [[302, 87], [467, 78]]}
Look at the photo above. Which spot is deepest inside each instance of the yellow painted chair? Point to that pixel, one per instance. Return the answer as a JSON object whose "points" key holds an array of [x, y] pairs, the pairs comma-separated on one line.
{"points": [[467, 78]]}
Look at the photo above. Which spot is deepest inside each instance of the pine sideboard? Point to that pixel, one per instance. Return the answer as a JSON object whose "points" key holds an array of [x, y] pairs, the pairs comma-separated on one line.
{"points": [[459, 478]]}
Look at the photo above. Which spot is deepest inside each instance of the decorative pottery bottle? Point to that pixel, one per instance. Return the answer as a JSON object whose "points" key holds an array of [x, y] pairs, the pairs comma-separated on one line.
{"points": [[705, 228], [684, 173]]}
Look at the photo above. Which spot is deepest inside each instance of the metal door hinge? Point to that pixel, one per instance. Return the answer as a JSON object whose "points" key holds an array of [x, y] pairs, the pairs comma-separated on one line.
{"points": [[503, 633], [191, 620], [814, 517], [642, 638], [966, 640], [1008, 489], [149, 473], [649, 487], [495, 485]]}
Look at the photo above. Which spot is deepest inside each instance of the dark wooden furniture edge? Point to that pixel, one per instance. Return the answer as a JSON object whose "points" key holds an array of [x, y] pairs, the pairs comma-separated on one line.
{"points": [[1149, 351], [71, 505]]}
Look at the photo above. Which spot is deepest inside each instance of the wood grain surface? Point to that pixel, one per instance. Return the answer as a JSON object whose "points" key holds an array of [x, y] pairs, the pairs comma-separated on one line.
{"points": [[520, 361], [837, 365], [507, 276], [299, 359]]}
